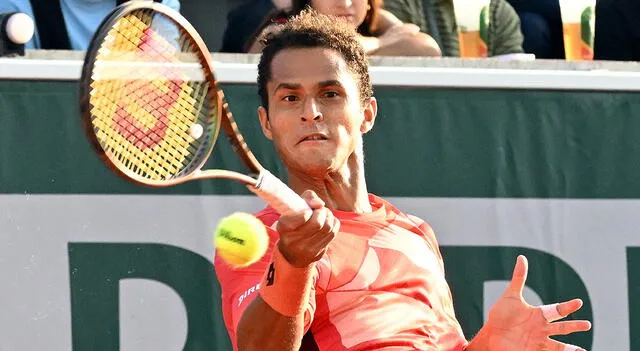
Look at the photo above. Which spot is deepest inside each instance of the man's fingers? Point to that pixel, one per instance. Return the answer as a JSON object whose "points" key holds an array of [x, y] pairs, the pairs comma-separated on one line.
{"points": [[304, 222], [293, 220], [551, 312], [568, 307], [317, 221], [567, 327], [519, 276], [325, 223], [313, 200], [321, 239], [335, 227], [327, 232], [322, 243], [558, 311]]}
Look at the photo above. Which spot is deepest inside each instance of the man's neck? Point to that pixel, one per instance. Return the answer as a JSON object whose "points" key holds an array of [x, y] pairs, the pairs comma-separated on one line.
{"points": [[343, 190]]}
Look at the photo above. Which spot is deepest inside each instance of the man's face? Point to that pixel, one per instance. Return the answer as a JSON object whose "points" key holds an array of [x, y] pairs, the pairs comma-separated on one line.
{"points": [[353, 11], [315, 118]]}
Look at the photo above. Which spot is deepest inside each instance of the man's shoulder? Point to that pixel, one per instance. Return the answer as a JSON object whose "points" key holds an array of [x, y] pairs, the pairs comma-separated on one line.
{"points": [[417, 223], [405, 220], [377, 200]]}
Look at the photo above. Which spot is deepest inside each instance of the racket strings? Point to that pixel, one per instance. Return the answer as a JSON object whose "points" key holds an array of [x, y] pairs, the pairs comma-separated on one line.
{"points": [[128, 129], [146, 99]]}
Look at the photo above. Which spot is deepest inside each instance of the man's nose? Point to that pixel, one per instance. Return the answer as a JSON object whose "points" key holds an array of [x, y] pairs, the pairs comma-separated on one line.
{"points": [[311, 112]]}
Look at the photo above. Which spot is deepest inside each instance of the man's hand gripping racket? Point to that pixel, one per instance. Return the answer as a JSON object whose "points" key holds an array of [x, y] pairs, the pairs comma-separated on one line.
{"points": [[152, 108]]}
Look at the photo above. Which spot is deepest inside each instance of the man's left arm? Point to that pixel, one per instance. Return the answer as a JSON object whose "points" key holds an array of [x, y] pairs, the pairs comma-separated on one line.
{"points": [[513, 324]]}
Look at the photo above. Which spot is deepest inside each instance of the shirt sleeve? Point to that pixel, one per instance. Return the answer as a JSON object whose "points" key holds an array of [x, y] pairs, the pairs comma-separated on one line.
{"points": [[238, 288]]}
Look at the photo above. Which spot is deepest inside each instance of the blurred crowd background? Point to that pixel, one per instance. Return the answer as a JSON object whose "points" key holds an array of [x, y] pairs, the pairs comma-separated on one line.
{"points": [[544, 29]]}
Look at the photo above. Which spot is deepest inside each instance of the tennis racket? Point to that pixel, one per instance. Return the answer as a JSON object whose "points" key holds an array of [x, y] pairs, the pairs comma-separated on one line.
{"points": [[152, 109]]}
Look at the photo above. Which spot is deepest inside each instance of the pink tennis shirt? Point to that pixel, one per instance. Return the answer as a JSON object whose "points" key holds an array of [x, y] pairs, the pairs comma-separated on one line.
{"points": [[380, 286]]}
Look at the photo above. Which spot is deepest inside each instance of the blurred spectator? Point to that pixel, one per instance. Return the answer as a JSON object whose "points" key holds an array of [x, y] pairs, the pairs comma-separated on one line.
{"points": [[66, 24], [541, 25], [617, 30], [381, 33], [437, 18], [246, 19]]}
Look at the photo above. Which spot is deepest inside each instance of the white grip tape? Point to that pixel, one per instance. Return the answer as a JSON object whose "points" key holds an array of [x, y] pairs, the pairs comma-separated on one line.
{"points": [[551, 313], [277, 194]]}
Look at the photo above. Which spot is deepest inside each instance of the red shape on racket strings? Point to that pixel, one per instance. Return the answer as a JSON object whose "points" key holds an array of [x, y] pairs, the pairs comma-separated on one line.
{"points": [[155, 49]]}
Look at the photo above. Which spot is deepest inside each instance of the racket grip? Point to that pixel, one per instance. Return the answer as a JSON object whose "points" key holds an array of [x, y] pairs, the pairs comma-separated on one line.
{"points": [[277, 194]]}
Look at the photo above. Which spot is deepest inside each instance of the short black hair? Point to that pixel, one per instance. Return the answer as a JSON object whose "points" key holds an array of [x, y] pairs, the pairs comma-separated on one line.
{"points": [[310, 29]]}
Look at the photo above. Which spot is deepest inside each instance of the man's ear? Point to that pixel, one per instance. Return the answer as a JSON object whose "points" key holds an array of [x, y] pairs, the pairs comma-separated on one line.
{"points": [[370, 112], [264, 122]]}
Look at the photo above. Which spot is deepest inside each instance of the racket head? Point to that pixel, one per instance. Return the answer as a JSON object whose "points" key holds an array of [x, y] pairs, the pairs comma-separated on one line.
{"points": [[150, 104]]}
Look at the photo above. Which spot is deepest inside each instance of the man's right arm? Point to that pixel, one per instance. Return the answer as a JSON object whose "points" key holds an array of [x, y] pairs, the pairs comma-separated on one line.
{"points": [[278, 317], [263, 327]]}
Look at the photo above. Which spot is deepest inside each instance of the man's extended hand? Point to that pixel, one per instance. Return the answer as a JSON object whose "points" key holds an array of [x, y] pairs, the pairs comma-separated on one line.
{"points": [[513, 324]]}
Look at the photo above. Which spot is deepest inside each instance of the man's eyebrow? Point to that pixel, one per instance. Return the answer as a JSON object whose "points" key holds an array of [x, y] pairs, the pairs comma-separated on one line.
{"points": [[330, 83], [296, 86], [288, 86]]}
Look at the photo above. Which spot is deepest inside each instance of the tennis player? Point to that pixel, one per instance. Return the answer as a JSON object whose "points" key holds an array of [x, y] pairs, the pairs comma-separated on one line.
{"points": [[353, 273]]}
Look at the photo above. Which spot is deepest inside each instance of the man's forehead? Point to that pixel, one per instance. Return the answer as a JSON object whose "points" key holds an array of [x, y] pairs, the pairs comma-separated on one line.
{"points": [[308, 64]]}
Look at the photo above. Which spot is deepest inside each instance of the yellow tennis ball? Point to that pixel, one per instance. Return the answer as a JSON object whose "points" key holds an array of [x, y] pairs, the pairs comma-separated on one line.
{"points": [[241, 239]]}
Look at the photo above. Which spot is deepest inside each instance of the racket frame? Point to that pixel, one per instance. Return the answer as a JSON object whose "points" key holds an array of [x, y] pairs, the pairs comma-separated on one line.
{"points": [[215, 94], [259, 181]]}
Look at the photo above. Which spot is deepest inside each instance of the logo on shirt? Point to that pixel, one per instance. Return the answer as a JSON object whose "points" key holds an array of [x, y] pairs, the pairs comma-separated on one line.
{"points": [[249, 291], [271, 274]]}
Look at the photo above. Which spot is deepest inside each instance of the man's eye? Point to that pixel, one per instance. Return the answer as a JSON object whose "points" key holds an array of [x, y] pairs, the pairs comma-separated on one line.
{"points": [[331, 94], [290, 98]]}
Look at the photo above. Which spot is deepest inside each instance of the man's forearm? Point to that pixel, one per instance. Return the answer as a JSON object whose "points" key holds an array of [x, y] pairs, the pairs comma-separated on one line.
{"points": [[275, 320], [262, 328]]}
